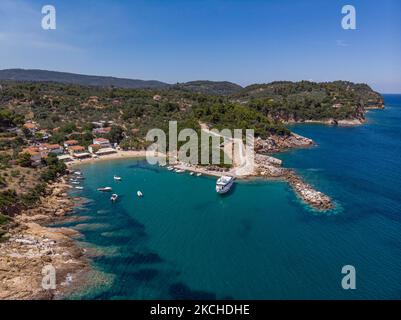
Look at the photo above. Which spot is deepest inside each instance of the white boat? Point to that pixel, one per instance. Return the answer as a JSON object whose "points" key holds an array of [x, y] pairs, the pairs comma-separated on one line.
{"points": [[179, 171], [139, 194], [117, 178], [199, 174], [224, 184], [79, 188], [78, 173], [75, 182], [104, 189], [170, 168], [191, 174], [114, 197]]}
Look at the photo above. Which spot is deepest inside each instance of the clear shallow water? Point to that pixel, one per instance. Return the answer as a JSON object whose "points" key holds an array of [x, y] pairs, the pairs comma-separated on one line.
{"points": [[182, 240]]}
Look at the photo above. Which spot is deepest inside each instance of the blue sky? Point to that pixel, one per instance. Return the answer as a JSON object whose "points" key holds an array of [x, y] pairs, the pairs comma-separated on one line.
{"points": [[247, 41]]}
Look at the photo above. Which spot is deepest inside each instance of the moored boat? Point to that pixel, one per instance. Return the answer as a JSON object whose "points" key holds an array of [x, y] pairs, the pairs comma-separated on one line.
{"points": [[104, 189], [224, 184], [114, 197], [139, 194], [117, 178]]}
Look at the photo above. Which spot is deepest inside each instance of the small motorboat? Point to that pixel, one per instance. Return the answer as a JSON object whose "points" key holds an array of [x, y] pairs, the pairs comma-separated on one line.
{"points": [[139, 194], [104, 189], [199, 174], [79, 188], [78, 173], [114, 197], [191, 174], [117, 178], [79, 178], [75, 182], [179, 171], [170, 168]]}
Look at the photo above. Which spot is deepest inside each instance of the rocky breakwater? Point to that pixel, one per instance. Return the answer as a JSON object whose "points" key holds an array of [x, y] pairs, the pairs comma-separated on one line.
{"points": [[268, 166], [311, 196], [30, 246]]}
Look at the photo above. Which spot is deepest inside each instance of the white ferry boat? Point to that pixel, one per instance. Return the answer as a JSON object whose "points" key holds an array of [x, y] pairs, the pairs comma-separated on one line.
{"points": [[224, 184]]}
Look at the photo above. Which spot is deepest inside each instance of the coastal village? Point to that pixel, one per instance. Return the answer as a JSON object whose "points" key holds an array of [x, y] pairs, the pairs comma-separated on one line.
{"points": [[42, 151], [70, 150]]}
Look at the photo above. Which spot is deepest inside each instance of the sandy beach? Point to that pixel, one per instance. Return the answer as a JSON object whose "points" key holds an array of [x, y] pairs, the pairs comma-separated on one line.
{"points": [[120, 154]]}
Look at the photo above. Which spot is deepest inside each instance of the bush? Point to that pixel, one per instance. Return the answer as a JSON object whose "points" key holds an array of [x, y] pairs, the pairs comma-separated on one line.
{"points": [[24, 160]]}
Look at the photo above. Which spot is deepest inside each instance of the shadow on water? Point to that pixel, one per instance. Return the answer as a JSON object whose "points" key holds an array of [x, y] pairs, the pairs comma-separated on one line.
{"points": [[145, 275], [143, 165], [133, 259], [245, 228], [180, 291]]}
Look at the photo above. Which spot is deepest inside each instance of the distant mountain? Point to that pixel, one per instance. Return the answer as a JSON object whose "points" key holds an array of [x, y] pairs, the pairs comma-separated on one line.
{"points": [[210, 87], [71, 78]]}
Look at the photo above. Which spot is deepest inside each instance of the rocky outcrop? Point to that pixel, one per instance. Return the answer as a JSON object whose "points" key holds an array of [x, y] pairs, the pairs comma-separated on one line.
{"points": [[30, 247], [276, 143]]}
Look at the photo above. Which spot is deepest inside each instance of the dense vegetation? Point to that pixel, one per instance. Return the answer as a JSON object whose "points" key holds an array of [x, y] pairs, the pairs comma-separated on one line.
{"points": [[68, 111], [299, 101]]}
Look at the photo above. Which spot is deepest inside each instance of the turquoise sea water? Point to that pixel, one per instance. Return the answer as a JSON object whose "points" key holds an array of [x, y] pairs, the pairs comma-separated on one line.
{"points": [[183, 241]]}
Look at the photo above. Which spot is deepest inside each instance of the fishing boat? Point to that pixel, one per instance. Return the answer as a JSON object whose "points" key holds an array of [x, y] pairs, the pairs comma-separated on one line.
{"points": [[114, 197], [139, 194], [117, 178], [224, 184], [104, 189]]}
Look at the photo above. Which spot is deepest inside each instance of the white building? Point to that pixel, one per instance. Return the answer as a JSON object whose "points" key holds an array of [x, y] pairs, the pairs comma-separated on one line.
{"points": [[102, 142]]}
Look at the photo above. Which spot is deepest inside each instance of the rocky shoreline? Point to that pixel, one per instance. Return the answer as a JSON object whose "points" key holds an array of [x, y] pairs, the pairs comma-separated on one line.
{"points": [[30, 246]]}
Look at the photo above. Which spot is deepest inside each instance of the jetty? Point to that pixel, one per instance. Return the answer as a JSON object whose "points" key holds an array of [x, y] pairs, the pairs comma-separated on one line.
{"points": [[310, 195]]}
